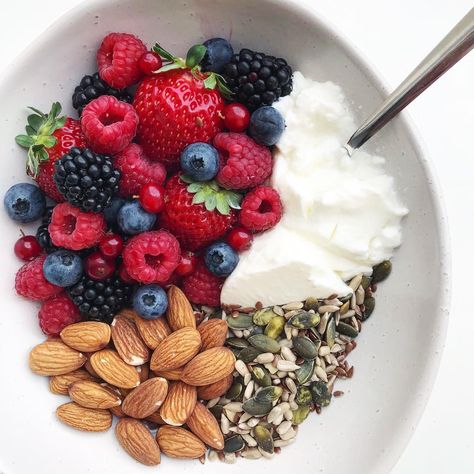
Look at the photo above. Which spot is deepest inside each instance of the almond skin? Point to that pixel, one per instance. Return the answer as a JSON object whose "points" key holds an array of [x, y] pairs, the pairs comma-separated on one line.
{"points": [[59, 384], [90, 369], [179, 443], [179, 404], [146, 399], [137, 440], [177, 349], [180, 313], [156, 418], [53, 357], [111, 368], [88, 336], [84, 419], [143, 372], [127, 341], [216, 389], [118, 412], [173, 374], [93, 395], [204, 425], [213, 333], [209, 367]]}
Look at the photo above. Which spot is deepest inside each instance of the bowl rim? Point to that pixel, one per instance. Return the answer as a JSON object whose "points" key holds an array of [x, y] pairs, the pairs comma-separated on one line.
{"points": [[404, 431]]}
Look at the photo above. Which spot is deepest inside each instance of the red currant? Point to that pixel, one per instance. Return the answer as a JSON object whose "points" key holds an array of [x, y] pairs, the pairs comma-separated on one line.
{"points": [[149, 63], [111, 246], [186, 265], [152, 197], [27, 248], [236, 117], [124, 276], [98, 267], [240, 239]]}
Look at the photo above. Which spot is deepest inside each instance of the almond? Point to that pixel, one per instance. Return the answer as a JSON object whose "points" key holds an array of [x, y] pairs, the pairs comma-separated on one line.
{"points": [[143, 372], [216, 389], [152, 331], [88, 336], [128, 342], [204, 425], [180, 313], [60, 383], [137, 440], [179, 404], [90, 369], [213, 333], [93, 395], [179, 443], [53, 357], [84, 419], [111, 368], [209, 366], [118, 412], [173, 374], [156, 418], [145, 400], [177, 349]]}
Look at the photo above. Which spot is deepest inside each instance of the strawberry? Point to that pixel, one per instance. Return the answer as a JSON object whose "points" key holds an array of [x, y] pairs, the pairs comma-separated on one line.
{"points": [[48, 138], [198, 213], [178, 106]]}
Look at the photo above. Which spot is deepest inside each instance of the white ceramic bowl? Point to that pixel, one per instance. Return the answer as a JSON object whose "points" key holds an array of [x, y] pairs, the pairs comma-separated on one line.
{"points": [[398, 352]]}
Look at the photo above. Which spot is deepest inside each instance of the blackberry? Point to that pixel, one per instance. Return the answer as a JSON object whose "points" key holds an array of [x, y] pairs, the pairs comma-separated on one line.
{"points": [[92, 87], [42, 233], [86, 179], [257, 79], [100, 300]]}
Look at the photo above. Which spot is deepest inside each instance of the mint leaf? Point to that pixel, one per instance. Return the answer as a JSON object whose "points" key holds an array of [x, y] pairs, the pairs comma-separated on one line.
{"points": [[195, 55]]}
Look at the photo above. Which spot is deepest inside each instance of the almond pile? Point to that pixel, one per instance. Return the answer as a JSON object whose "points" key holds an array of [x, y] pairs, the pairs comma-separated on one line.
{"points": [[142, 371]]}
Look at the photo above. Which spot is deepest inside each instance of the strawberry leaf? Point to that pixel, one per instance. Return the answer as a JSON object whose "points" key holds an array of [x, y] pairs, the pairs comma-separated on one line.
{"points": [[211, 202], [168, 67], [194, 187], [24, 140], [210, 82], [163, 53], [234, 200], [35, 121], [195, 55], [222, 204]]}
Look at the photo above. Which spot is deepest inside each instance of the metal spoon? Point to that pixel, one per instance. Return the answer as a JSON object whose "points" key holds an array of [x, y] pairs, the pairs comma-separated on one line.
{"points": [[458, 42]]}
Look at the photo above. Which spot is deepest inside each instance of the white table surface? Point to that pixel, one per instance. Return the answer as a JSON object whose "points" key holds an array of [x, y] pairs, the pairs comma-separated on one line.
{"points": [[394, 36]]}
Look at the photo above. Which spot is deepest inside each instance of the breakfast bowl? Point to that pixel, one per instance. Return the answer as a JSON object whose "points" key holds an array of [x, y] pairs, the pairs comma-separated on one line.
{"points": [[399, 350]]}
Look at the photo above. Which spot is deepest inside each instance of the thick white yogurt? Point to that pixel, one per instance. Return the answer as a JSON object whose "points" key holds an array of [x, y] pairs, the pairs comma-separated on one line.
{"points": [[341, 215]]}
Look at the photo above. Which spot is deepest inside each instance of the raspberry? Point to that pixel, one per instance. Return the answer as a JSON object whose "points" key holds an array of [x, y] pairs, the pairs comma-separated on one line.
{"points": [[137, 170], [118, 59], [73, 229], [202, 287], [261, 209], [151, 257], [31, 283], [57, 313], [108, 124], [244, 163]]}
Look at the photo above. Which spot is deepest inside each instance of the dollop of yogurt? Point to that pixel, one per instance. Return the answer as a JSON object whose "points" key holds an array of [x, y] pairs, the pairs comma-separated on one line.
{"points": [[341, 215]]}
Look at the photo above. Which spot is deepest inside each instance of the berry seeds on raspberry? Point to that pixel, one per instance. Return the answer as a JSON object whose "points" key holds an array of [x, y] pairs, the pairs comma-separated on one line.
{"points": [[261, 209]]}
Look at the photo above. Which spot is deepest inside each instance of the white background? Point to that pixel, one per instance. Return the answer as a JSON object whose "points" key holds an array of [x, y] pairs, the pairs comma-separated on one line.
{"points": [[394, 36]]}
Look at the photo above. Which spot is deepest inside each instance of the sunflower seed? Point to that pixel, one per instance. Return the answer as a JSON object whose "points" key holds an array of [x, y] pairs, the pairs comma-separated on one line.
{"points": [[274, 413], [288, 415], [276, 381], [278, 310], [327, 308], [292, 306], [285, 395], [265, 454], [249, 390], [287, 366], [288, 354], [291, 385], [238, 333], [252, 453], [280, 443], [249, 441], [244, 417], [212, 456], [271, 368], [235, 407], [241, 368], [293, 405], [288, 330], [323, 323], [360, 295], [230, 458], [284, 427], [331, 332], [321, 373], [291, 433], [253, 422], [324, 351], [213, 402], [348, 314], [355, 282], [225, 424], [232, 416]]}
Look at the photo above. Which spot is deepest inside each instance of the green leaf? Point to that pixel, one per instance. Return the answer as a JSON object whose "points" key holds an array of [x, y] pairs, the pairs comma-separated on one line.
{"points": [[35, 122], [60, 123], [195, 55], [234, 200], [47, 141], [222, 86], [55, 109], [222, 205], [36, 111], [163, 53], [24, 141], [43, 155], [210, 82], [195, 187], [32, 165], [211, 202], [30, 131], [168, 67]]}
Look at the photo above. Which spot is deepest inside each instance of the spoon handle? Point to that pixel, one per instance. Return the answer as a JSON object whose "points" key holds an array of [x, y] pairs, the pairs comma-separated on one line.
{"points": [[458, 42]]}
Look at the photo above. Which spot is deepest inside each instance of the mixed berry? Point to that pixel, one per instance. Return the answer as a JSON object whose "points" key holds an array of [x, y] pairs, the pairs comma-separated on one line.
{"points": [[164, 185]]}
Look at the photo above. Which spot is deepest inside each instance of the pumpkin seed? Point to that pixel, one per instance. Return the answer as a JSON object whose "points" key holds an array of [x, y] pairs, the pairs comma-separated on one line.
{"points": [[264, 343], [305, 347], [217, 410], [304, 373], [366, 280], [256, 408], [235, 391], [320, 393], [268, 394], [381, 271], [347, 330], [242, 321], [311, 303], [275, 327], [248, 354], [263, 438], [237, 343], [303, 396], [261, 376], [304, 320], [369, 304], [255, 330], [263, 316], [235, 351], [331, 332], [300, 414], [233, 444]]}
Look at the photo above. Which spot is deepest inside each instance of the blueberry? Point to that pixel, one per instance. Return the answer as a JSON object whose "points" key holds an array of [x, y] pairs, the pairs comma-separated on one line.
{"points": [[266, 125], [111, 211], [24, 202], [219, 53], [133, 219], [150, 301], [63, 268], [221, 259], [200, 161]]}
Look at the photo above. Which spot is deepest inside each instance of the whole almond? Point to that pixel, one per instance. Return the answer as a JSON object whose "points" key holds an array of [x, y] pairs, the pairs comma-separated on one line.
{"points": [[204, 425], [53, 357], [173, 374], [179, 404], [84, 419], [179, 443], [180, 313], [93, 395], [137, 440], [90, 369], [177, 349], [128, 342], [216, 389], [60, 383], [152, 331], [156, 418], [88, 336], [146, 399], [209, 366], [213, 333], [111, 368], [143, 372], [118, 412]]}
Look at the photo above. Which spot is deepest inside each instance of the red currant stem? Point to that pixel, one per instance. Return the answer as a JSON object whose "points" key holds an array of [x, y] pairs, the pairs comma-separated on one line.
{"points": [[22, 233]]}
